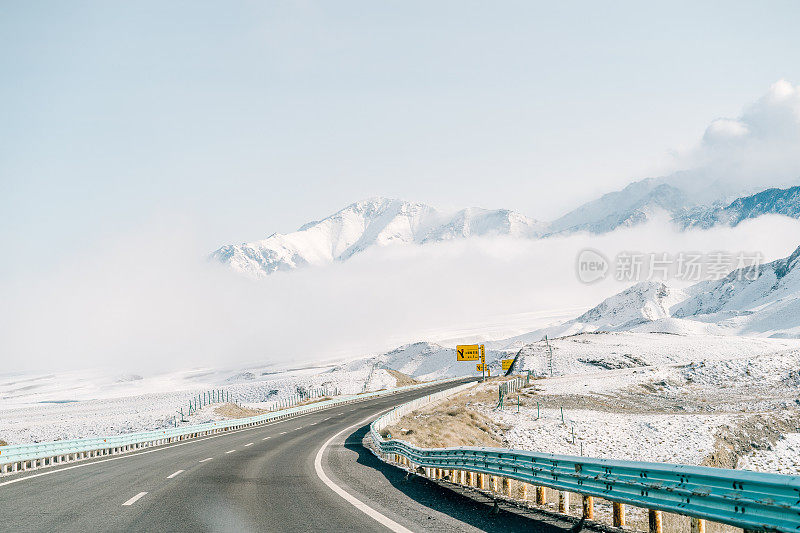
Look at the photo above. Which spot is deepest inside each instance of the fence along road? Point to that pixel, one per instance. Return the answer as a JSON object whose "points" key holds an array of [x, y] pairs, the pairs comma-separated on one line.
{"points": [[267, 482]]}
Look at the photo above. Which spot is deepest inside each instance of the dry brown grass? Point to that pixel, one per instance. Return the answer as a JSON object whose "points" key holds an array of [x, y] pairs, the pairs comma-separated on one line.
{"points": [[315, 400], [403, 380], [231, 410], [454, 422]]}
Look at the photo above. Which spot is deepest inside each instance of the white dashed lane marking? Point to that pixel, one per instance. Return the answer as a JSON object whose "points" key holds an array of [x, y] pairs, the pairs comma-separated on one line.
{"points": [[230, 451], [134, 499], [248, 444], [206, 459]]}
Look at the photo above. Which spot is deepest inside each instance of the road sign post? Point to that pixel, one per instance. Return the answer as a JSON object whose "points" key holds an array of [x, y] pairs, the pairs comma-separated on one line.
{"points": [[473, 352], [483, 361]]}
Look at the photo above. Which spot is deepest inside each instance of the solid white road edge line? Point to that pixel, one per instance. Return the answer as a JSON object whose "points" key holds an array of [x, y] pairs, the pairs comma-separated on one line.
{"points": [[352, 500], [133, 500], [175, 474]]}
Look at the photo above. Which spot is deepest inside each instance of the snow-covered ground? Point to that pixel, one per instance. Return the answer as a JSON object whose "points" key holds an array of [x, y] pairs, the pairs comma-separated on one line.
{"points": [[669, 438], [720, 401], [590, 352], [783, 457], [83, 404]]}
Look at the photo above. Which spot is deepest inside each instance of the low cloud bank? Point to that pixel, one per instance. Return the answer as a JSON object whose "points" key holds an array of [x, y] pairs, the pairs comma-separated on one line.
{"points": [[146, 302]]}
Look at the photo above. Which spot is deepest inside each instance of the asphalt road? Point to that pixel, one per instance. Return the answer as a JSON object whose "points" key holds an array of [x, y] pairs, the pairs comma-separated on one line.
{"points": [[257, 479]]}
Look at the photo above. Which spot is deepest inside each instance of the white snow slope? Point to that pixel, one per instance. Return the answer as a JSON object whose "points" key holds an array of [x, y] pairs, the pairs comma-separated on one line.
{"points": [[767, 305], [425, 361], [374, 222]]}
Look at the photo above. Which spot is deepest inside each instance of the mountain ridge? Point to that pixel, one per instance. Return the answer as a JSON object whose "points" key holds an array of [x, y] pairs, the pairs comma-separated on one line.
{"points": [[378, 222], [766, 304], [373, 222]]}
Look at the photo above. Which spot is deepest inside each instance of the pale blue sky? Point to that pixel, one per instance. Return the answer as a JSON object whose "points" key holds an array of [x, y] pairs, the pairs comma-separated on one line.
{"points": [[252, 117]]}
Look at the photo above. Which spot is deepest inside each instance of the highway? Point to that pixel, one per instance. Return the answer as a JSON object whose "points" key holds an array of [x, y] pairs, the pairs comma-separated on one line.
{"points": [[262, 478]]}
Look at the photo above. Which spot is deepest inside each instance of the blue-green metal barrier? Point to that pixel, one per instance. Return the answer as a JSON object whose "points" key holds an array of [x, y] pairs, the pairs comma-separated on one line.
{"points": [[754, 501], [18, 457]]}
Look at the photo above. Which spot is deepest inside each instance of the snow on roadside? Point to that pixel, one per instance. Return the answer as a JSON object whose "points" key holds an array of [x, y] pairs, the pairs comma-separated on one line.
{"points": [[48, 408], [684, 439], [782, 458], [594, 352]]}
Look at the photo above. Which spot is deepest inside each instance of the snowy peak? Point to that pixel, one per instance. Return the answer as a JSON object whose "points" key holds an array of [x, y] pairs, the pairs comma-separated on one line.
{"points": [[771, 201], [747, 291], [764, 301], [644, 302], [375, 222], [477, 222], [634, 204], [779, 201]]}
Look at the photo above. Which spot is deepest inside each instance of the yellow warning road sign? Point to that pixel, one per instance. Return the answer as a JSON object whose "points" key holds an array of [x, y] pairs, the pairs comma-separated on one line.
{"points": [[480, 367], [507, 363], [468, 352]]}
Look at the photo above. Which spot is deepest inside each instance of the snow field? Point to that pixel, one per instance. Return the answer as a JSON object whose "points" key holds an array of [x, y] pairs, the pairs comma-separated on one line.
{"points": [[682, 439]]}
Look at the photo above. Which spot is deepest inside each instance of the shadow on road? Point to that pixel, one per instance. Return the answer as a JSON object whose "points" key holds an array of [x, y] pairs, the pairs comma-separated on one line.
{"points": [[468, 506]]}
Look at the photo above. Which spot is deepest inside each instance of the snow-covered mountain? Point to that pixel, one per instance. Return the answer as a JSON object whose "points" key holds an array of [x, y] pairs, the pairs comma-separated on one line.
{"points": [[646, 301], [382, 222], [374, 222], [642, 304], [641, 200], [771, 201], [633, 205], [767, 304], [763, 303]]}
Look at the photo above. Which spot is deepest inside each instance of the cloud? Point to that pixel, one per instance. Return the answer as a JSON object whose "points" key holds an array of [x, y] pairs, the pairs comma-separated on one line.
{"points": [[724, 130], [740, 155], [144, 302]]}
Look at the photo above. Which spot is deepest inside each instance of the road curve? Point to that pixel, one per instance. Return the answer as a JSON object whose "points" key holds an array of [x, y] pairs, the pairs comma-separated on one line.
{"points": [[257, 479]]}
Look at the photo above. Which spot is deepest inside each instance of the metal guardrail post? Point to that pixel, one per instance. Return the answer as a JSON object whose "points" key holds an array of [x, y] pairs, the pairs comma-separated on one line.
{"points": [[655, 521], [563, 502], [619, 514], [541, 496], [588, 507]]}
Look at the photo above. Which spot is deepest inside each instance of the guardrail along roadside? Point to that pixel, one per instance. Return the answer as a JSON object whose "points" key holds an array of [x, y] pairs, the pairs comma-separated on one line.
{"points": [[21, 457], [754, 501]]}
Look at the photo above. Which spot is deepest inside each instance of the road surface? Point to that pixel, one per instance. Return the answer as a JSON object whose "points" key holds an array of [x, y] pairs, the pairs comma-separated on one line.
{"points": [[256, 479]]}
